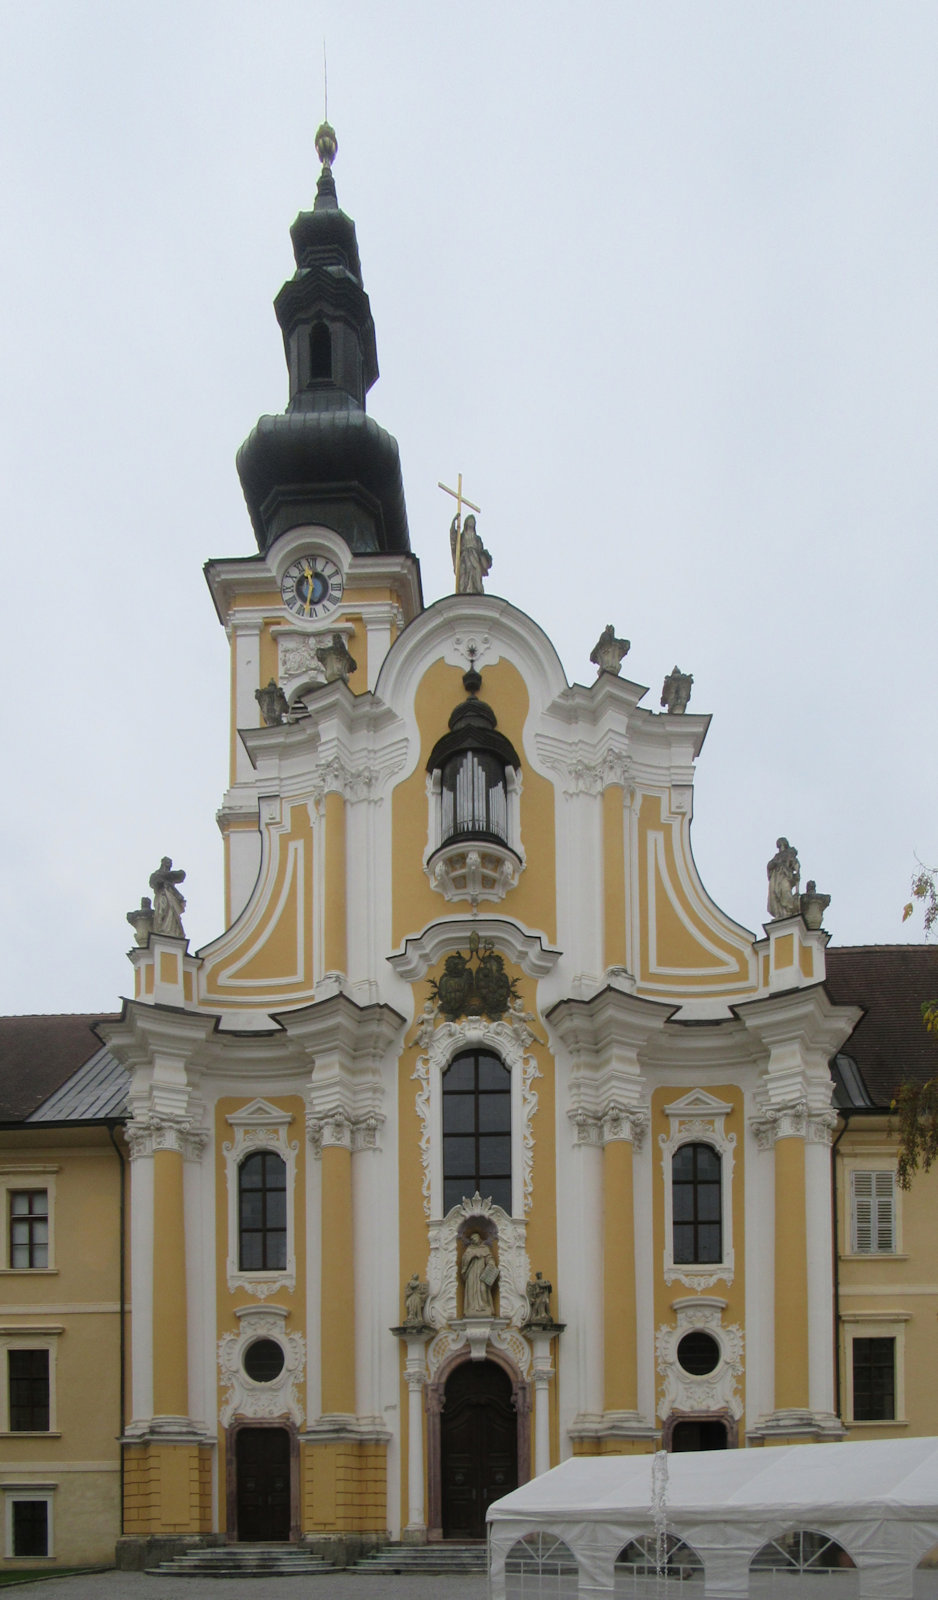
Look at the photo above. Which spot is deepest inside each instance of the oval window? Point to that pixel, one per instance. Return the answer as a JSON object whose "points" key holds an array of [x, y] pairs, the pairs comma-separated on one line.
{"points": [[263, 1360], [698, 1353]]}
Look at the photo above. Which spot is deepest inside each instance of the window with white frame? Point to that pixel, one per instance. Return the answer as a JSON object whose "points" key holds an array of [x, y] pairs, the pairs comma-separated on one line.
{"points": [[874, 1366], [27, 1389], [697, 1162], [28, 1520], [873, 1212], [27, 1194], [260, 1168]]}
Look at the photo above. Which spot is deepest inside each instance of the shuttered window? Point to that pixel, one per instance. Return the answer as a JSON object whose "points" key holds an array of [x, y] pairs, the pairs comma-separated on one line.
{"points": [[873, 1213]]}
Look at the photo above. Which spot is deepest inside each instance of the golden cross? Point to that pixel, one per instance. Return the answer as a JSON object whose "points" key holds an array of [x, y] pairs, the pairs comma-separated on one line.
{"points": [[460, 500]]}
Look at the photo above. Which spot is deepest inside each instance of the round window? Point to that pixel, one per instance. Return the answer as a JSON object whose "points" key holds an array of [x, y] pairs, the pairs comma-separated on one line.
{"points": [[263, 1360], [698, 1353]]}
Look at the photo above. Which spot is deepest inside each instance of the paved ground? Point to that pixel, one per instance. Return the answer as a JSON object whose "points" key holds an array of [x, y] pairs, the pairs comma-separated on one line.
{"points": [[327, 1586]]}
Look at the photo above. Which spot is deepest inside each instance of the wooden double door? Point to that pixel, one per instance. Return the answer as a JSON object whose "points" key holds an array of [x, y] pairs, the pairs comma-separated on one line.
{"points": [[262, 1457], [478, 1446]]}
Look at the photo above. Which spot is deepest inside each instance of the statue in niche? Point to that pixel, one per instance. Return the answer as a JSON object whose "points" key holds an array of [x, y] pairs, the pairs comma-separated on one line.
{"points": [[471, 560], [784, 874], [415, 1299], [675, 691], [479, 1275], [539, 1291], [608, 651], [168, 903]]}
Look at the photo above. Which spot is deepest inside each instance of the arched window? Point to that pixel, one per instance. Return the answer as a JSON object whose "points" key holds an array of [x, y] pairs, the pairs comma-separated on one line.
{"points": [[320, 352], [802, 1550], [262, 1213], [650, 1565], [477, 1129], [697, 1201], [541, 1565]]}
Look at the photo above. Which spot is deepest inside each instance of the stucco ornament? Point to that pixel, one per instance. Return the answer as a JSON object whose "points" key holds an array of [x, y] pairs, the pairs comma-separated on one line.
{"points": [[711, 1391], [608, 652], [675, 691], [440, 1042], [280, 1395], [784, 875]]}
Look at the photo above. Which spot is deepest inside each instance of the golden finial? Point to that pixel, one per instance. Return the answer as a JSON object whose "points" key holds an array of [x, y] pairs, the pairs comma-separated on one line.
{"points": [[326, 144]]}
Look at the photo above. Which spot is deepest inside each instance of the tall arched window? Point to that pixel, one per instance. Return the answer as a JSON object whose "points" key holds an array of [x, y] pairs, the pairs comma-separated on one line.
{"points": [[477, 1129], [697, 1201], [262, 1213]]}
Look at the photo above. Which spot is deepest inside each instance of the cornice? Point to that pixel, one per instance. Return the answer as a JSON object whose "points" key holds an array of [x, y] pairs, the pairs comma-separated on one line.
{"points": [[609, 1018], [807, 1017], [421, 952]]}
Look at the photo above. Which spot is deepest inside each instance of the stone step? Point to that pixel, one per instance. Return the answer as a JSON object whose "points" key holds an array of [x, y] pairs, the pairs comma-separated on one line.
{"points": [[427, 1559], [243, 1561]]}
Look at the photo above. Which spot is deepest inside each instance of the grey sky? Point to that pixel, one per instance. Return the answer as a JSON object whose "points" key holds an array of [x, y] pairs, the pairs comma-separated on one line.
{"points": [[659, 279]]}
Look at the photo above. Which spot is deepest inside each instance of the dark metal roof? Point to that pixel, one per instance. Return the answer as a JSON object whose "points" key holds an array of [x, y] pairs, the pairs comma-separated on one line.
{"points": [[38, 1054], [890, 1043], [99, 1089]]}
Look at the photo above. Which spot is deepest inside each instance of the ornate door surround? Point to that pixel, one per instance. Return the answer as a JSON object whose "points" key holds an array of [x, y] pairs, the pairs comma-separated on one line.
{"points": [[435, 1400]]}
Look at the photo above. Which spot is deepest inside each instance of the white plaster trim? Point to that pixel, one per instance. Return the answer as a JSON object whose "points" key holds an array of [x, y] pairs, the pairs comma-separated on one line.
{"points": [[698, 1118], [260, 1126], [148, 1131], [34, 1336], [712, 1391], [294, 874], [421, 952], [44, 1492], [510, 1042], [245, 1397], [723, 968]]}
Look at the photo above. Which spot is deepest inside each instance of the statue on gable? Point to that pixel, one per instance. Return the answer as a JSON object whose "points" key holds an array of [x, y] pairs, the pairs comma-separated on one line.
{"points": [[784, 874], [168, 903], [675, 691], [471, 560], [608, 651]]}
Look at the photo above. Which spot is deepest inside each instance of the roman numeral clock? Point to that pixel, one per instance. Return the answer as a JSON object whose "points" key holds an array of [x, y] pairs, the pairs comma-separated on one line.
{"points": [[311, 587]]}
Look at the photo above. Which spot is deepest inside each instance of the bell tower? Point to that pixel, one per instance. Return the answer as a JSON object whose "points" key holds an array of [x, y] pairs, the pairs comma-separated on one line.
{"points": [[324, 460]]}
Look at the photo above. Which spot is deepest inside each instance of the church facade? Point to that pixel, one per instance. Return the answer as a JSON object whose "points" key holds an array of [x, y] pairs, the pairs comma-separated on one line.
{"points": [[480, 1136]]}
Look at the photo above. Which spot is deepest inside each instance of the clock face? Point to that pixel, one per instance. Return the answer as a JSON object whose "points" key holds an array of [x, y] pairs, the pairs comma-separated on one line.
{"points": [[311, 587]]}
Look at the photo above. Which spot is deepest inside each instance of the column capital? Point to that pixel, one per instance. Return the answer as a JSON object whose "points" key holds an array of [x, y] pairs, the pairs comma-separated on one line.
{"points": [[147, 1132], [793, 1119]]}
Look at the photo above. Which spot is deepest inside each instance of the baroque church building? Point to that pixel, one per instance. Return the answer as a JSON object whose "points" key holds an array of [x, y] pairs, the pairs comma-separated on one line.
{"points": [[480, 1136]]}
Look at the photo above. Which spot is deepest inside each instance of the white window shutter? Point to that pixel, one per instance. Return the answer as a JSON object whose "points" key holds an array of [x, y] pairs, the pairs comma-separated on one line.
{"points": [[862, 1212], [873, 1213]]}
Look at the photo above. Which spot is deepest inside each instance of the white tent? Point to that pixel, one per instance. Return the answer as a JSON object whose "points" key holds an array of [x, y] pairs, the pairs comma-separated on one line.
{"points": [[877, 1502]]}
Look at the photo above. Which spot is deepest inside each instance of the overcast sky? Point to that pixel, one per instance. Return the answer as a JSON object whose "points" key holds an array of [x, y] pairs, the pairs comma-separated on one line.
{"points": [[659, 279]]}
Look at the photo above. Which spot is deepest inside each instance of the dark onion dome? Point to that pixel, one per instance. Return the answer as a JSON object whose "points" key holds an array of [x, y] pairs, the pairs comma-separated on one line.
{"points": [[324, 460], [473, 726]]}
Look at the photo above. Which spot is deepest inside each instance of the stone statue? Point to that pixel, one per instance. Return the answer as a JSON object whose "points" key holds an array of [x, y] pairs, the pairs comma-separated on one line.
{"points": [[335, 660], [273, 704], [784, 873], [479, 1274], [141, 920], [168, 903], [675, 691], [608, 651], [415, 1298], [539, 1292], [471, 560], [813, 905]]}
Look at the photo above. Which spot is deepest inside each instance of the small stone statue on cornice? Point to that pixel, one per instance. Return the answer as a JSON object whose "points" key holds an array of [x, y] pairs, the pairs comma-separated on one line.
{"points": [[539, 1292], [471, 560], [479, 1275], [335, 660], [273, 704], [608, 651], [168, 903], [675, 691], [415, 1299], [141, 920], [813, 905], [784, 874]]}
